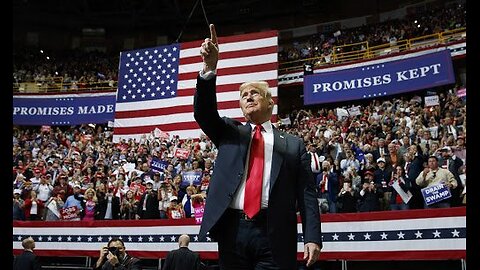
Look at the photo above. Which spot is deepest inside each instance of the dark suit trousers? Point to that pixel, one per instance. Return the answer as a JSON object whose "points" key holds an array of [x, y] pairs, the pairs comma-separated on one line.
{"points": [[243, 243]]}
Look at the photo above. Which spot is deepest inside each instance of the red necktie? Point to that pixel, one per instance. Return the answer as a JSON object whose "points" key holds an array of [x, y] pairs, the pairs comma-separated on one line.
{"points": [[253, 188], [316, 161], [324, 182]]}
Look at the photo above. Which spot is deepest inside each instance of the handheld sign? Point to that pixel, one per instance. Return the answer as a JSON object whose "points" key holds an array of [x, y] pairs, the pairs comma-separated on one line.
{"points": [[436, 193]]}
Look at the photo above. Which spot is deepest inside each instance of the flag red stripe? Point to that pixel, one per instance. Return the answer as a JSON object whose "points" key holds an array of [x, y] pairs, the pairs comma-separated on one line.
{"points": [[176, 109], [233, 71], [169, 127], [232, 54], [165, 128], [231, 39], [221, 88]]}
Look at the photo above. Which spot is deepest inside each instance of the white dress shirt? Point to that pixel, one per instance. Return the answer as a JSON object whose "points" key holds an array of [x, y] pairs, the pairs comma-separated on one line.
{"points": [[267, 132]]}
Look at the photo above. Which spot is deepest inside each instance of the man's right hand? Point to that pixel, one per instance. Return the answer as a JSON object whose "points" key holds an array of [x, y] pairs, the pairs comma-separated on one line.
{"points": [[209, 51], [103, 252]]}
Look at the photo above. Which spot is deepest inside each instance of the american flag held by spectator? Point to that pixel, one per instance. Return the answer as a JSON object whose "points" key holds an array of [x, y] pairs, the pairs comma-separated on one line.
{"points": [[156, 85]]}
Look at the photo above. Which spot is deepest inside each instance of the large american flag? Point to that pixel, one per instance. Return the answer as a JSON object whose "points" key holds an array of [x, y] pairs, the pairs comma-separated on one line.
{"points": [[429, 234], [156, 85]]}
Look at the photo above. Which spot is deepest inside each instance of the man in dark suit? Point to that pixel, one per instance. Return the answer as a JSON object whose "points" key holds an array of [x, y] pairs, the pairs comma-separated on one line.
{"points": [[327, 186], [255, 225], [182, 258], [114, 256], [27, 260]]}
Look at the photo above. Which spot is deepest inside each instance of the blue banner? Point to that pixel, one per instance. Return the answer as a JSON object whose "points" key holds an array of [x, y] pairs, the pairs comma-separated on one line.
{"points": [[434, 194], [64, 109], [191, 178], [380, 79], [158, 165]]}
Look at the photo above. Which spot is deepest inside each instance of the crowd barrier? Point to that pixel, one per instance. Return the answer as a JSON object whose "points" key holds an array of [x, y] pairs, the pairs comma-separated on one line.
{"points": [[429, 234]]}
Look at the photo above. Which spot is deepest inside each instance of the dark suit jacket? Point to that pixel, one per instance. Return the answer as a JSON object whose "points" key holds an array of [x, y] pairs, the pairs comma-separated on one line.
{"points": [[151, 211], [182, 259], [26, 261], [292, 185], [332, 186], [102, 208], [128, 263]]}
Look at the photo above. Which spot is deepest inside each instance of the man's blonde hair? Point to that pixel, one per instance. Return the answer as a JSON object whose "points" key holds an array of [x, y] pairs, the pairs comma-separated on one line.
{"points": [[260, 85], [28, 243]]}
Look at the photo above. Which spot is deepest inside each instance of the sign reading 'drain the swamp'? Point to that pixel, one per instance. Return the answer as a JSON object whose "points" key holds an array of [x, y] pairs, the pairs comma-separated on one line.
{"points": [[63, 109], [436, 193], [389, 78]]}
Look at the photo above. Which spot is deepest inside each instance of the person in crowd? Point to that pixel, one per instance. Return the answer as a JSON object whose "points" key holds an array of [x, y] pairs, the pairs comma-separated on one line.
{"points": [[175, 209], [89, 204], [62, 187], [114, 256], [27, 260], [182, 258], [187, 200], [316, 160], [53, 208], [382, 177], [229, 218], [414, 160], [18, 202], [449, 161], [108, 206], [327, 187], [433, 175], [381, 151], [350, 161], [148, 204], [44, 189], [75, 200], [402, 183], [393, 157], [129, 207], [369, 197], [347, 199], [33, 207]]}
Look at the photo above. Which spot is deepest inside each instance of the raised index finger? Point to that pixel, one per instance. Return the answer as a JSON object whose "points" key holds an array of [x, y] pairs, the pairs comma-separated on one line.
{"points": [[213, 34]]}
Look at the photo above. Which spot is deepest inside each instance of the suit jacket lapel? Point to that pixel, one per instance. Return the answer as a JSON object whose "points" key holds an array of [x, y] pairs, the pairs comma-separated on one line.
{"points": [[279, 146], [245, 134]]}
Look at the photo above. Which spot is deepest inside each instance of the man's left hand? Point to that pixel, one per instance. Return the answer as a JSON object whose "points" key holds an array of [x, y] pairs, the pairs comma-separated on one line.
{"points": [[312, 252]]}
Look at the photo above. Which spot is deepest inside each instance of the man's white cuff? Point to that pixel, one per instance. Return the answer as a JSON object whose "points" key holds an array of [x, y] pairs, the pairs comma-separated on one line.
{"points": [[207, 75]]}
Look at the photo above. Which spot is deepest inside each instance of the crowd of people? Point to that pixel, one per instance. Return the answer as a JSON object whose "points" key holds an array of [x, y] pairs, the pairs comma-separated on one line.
{"points": [[417, 24], [78, 173], [376, 160], [64, 70], [77, 69]]}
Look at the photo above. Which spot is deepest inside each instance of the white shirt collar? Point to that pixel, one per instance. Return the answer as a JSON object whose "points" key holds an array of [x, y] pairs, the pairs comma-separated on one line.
{"points": [[267, 126]]}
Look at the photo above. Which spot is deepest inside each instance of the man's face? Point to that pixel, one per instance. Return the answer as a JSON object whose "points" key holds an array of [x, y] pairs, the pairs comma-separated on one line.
{"points": [[255, 106], [119, 246], [432, 163]]}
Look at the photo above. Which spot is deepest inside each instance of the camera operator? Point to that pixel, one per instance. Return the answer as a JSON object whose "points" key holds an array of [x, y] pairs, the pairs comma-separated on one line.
{"points": [[113, 256]]}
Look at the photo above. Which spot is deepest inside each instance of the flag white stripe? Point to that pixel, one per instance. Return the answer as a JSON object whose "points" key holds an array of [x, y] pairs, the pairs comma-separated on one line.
{"points": [[232, 62], [391, 225], [173, 118], [394, 245], [106, 230], [233, 46], [180, 101], [231, 79]]}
